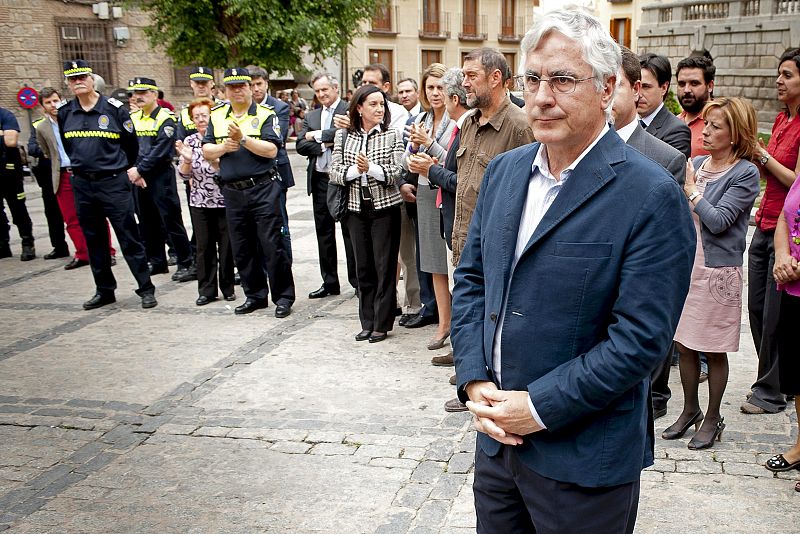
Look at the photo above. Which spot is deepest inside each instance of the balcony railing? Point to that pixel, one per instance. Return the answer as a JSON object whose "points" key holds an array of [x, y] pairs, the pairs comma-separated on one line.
{"points": [[511, 29], [787, 8], [435, 25], [473, 27], [385, 21], [709, 10], [751, 8]]}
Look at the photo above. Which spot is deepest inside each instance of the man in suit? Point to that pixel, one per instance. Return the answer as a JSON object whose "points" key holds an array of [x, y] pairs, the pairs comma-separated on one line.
{"points": [[627, 126], [315, 141], [554, 331], [260, 88], [656, 118]]}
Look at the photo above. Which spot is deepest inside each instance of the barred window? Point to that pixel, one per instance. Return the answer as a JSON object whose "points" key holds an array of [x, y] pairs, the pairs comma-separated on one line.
{"points": [[89, 40]]}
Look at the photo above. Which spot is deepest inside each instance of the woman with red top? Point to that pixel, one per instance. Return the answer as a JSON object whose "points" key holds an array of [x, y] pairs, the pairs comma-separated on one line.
{"points": [[779, 167], [787, 274]]}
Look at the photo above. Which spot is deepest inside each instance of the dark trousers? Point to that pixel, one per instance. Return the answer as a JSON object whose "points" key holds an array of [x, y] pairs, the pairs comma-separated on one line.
{"points": [[160, 219], [375, 235], [789, 368], [659, 381], [112, 198], [254, 225], [763, 305], [325, 228], [12, 191], [213, 251], [426, 294], [55, 221], [510, 498]]}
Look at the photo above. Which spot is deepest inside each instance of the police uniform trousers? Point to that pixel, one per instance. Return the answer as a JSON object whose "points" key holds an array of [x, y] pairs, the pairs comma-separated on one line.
{"points": [[160, 219], [213, 251], [12, 191], [109, 196], [254, 225], [325, 228], [52, 212], [376, 241]]}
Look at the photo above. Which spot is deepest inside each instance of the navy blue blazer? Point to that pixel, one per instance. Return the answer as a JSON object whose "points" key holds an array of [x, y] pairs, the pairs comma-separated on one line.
{"points": [[592, 306]]}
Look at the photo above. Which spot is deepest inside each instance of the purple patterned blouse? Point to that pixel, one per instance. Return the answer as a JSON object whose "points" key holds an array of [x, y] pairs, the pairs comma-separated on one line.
{"points": [[204, 192]]}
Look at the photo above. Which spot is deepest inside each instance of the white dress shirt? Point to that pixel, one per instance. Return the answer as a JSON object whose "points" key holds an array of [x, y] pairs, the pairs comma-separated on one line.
{"points": [[374, 170], [543, 188], [326, 121], [627, 131]]}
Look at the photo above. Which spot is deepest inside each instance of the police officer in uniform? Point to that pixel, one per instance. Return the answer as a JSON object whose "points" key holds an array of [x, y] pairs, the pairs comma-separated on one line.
{"points": [[99, 138], [12, 189], [159, 206], [201, 80], [245, 136]]}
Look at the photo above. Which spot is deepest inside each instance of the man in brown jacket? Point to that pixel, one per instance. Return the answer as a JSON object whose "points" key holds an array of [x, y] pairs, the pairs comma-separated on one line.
{"points": [[496, 126]]}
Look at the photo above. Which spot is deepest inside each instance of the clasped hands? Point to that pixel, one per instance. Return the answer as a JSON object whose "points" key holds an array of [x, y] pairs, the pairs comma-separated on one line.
{"points": [[235, 135], [502, 415], [786, 269]]}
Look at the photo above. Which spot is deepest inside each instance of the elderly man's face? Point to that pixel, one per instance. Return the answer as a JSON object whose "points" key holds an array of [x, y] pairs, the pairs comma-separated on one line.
{"points": [[564, 121], [81, 85], [145, 99], [325, 91]]}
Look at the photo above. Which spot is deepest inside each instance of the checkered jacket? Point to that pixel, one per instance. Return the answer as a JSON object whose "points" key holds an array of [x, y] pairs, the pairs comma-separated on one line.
{"points": [[386, 149]]}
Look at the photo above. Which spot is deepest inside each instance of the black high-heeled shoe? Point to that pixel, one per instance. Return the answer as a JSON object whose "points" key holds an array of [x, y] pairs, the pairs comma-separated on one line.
{"points": [[696, 444], [675, 433]]}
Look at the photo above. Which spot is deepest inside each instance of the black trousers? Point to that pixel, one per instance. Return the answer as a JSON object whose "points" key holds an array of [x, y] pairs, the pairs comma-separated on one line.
{"points": [[12, 191], [161, 220], [213, 251], [325, 228], [254, 225], [789, 368], [376, 242], [763, 305], [112, 198], [55, 221], [512, 499]]}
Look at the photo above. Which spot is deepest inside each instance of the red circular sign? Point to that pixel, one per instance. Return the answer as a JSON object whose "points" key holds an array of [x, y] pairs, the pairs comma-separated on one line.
{"points": [[28, 97]]}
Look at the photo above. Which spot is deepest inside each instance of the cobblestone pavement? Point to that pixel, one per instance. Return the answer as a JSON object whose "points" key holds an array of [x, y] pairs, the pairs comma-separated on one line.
{"points": [[187, 419]]}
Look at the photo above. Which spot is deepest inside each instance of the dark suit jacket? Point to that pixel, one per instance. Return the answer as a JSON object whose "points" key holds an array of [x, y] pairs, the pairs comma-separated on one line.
{"points": [[446, 178], [591, 306], [312, 149], [671, 130], [281, 109], [665, 155]]}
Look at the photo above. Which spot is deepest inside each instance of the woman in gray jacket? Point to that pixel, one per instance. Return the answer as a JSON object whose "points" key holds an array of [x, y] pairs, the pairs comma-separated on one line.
{"points": [[721, 193]]}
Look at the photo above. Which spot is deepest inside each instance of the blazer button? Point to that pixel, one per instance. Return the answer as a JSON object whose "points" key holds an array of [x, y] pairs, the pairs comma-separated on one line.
{"points": [[493, 317]]}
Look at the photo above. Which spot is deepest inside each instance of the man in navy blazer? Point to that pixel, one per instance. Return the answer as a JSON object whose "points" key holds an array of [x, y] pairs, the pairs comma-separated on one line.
{"points": [[568, 293]]}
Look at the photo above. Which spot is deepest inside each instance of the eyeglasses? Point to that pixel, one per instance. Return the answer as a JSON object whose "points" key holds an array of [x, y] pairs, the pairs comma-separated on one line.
{"points": [[558, 84]]}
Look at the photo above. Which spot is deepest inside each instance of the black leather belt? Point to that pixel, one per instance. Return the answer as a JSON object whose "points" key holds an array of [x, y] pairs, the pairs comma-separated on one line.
{"points": [[250, 182], [99, 175]]}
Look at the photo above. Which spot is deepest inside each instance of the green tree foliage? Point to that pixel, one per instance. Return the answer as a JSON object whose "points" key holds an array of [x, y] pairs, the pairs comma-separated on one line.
{"points": [[270, 33]]}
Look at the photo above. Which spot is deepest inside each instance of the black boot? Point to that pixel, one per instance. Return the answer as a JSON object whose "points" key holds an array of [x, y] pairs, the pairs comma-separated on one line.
{"points": [[28, 253]]}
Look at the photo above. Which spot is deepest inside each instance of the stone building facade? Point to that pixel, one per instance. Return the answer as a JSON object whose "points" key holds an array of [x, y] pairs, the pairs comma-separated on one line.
{"points": [[745, 38], [38, 35]]}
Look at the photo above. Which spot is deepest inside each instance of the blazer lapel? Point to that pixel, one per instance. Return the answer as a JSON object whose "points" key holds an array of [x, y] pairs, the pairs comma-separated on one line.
{"points": [[516, 192], [591, 175]]}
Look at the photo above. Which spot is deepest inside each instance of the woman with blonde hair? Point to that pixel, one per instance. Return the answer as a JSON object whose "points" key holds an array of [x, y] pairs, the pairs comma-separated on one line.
{"points": [[720, 193], [430, 134]]}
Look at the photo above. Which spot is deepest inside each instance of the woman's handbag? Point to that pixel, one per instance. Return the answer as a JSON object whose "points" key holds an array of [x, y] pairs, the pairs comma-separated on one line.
{"points": [[338, 194]]}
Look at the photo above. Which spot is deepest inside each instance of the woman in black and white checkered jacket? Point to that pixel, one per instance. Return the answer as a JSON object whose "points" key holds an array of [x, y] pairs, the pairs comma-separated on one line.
{"points": [[367, 159]]}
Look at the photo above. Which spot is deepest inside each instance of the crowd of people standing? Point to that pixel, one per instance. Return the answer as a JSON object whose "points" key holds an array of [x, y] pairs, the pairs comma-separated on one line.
{"points": [[404, 182]]}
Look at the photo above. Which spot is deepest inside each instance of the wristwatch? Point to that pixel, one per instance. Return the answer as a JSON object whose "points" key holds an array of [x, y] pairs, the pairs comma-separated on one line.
{"points": [[242, 141], [764, 159], [694, 195]]}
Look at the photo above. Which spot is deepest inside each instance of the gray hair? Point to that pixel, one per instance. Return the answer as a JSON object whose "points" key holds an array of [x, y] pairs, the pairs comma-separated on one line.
{"points": [[452, 81], [598, 49], [332, 80]]}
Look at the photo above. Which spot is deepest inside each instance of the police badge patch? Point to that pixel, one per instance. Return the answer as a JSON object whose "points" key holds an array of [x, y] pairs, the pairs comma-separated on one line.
{"points": [[102, 122], [128, 125], [254, 122], [169, 130]]}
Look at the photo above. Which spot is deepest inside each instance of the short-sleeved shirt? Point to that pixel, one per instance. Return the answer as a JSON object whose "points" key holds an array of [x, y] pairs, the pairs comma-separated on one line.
{"points": [[99, 140], [696, 126], [260, 122], [783, 146]]}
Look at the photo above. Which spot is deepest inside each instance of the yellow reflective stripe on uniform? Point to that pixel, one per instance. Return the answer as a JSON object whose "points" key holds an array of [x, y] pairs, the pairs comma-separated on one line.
{"points": [[186, 121], [249, 124], [148, 127], [10, 166], [20, 196], [91, 133]]}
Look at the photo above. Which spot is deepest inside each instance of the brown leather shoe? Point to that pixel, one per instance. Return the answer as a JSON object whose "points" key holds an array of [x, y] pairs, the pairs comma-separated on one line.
{"points": [[454, 405], [443, 361], [453, 380], [750, 408]]}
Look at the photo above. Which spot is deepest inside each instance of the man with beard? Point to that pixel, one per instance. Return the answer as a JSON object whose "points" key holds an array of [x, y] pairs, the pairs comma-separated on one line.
{"points": [[695, 75]]}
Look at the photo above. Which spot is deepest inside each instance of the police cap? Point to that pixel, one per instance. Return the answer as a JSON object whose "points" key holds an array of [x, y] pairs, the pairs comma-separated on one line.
{"points": [[142, 84], [76, 67], [201, 74], [235, 76]]}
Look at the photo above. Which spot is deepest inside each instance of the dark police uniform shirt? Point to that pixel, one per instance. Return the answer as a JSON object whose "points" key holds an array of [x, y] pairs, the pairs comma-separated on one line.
{"points": [[10, 161], [156, 134], [259, 122], [102, 139]]}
